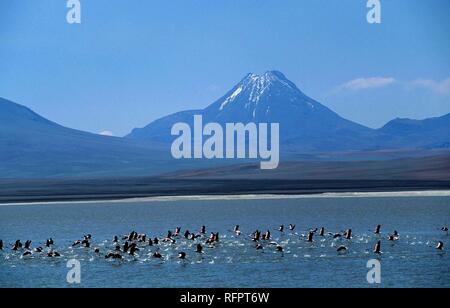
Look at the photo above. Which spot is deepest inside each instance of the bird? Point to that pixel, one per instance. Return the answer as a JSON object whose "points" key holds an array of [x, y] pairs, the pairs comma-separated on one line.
{"points": [[378, 229], [266, 236], [39, 249], [26, 254], [203, 230], [440, 246], [237, 230], [133, 248], [182, 255], [348, 234], [342, 249], [256, 236], [113, 255], [177, 231], [310, 237], [291, 227], [17, 245], [336, 235], [52, 254], [199, 248], [377, 248], [394, 236], [322, 231], [49, 242], [76, 243], [126, 246]]}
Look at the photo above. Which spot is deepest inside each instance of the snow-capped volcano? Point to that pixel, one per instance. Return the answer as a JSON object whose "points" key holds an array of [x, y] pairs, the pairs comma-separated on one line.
{"points": [[271, 98], [255, 88], [305, 124], [256, 96]]}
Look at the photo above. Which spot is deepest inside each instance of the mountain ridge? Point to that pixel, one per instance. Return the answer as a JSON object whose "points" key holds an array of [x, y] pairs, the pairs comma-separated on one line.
{"points": [[306, 125], [33, 146], [269, 98]]}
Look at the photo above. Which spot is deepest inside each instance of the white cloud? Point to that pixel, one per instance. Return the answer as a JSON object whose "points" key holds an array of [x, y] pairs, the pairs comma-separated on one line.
{"points": [[366, 83], [439, 87], [107, 133]]}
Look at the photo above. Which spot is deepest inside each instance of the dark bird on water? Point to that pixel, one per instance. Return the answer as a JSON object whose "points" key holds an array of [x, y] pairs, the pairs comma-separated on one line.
{"points": [[256, 236], [322, 231], [177, 231], [53, 254], [348, 234], [237, 230], [26, 254], [133, 248], [394, 236], [49, 242], [199, 248], [266, 236], [310, 236], [113, 255], [378, 229], [342, 249], [377, 248], [17, 245], [336, 235]]}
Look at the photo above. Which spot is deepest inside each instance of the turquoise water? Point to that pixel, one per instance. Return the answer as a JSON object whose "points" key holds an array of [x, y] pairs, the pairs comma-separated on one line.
{"points": [[411, 261]]}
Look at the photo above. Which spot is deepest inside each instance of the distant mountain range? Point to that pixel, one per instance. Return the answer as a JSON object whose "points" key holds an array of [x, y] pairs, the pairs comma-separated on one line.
{"points": [[32, 146], [305, 124]]}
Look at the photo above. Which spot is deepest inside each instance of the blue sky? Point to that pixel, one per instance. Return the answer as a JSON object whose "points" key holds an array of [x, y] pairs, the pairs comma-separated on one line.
{"points": [[130, 62]]}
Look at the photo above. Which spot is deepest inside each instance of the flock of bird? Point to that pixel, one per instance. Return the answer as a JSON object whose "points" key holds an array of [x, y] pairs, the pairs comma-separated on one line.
{"points": [[133, 242]]}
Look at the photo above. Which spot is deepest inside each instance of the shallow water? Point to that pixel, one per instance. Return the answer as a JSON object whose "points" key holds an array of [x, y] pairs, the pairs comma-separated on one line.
{"points": [[233, 262]]}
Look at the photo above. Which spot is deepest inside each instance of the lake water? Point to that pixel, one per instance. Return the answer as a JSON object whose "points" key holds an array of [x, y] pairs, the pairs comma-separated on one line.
{"points": [[412, 261]]}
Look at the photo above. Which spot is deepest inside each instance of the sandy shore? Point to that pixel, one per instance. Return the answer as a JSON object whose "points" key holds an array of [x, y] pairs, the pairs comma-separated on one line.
{"points": [[393, 194]]}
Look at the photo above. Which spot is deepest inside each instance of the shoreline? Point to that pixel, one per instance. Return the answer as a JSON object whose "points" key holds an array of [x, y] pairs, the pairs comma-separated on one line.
{"points": [[124, 189], [236, 197]]}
